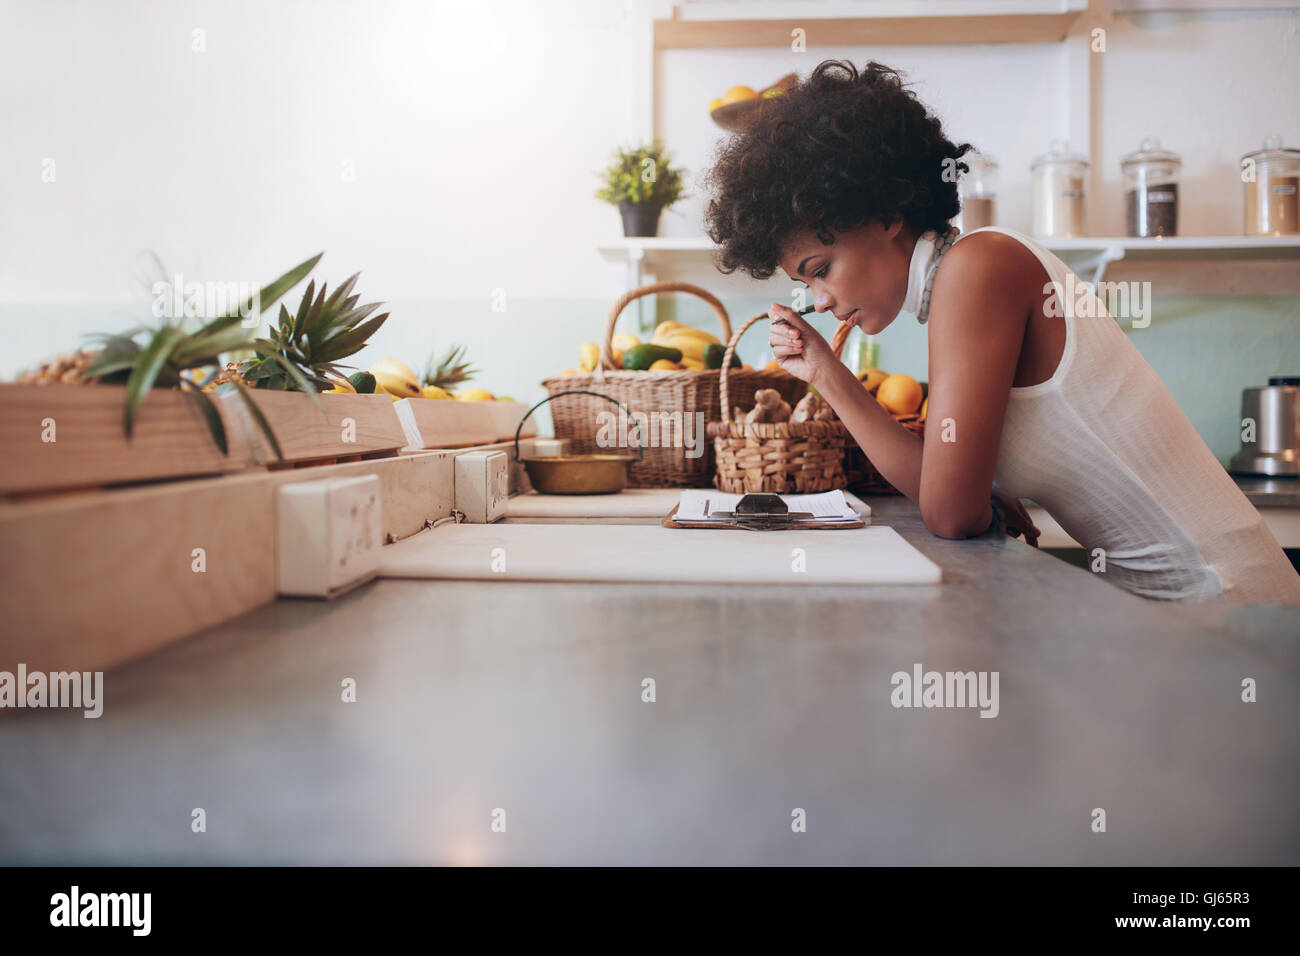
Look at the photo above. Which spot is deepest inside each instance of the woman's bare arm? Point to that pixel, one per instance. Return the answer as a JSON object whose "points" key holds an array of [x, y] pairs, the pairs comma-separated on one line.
{"points": [[895, 451], [979, 309]]}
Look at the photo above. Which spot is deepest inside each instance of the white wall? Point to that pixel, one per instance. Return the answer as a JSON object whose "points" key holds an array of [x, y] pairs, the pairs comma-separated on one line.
{"points": [[474, 131]]}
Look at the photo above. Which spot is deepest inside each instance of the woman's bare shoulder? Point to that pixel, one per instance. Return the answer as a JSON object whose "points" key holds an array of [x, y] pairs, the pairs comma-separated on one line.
{"points": [[992, 252], [990, 263]]}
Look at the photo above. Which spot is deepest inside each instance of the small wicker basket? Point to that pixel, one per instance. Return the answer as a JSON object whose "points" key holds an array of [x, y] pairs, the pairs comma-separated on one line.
{"points": [[776, 457], [657, 393]]}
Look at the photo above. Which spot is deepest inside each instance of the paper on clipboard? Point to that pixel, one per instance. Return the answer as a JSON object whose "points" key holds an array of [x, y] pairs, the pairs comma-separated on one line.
{"points": [[827, 508]]}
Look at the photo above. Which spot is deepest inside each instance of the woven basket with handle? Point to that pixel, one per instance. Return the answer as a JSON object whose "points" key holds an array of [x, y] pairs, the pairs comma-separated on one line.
{"points": [[783, 457], [776, 457], [669, 398], [859, 472]]}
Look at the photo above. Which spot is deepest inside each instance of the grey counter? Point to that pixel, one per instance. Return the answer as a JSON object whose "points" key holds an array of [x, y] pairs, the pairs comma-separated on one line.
{"points": [[528, 697]]}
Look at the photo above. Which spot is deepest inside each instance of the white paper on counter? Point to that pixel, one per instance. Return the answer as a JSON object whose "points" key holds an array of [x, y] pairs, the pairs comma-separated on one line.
{"points": [[829, 507]]}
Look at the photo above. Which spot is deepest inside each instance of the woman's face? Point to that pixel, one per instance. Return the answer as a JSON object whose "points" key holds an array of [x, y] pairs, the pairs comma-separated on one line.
{"points": [[861, 278]]}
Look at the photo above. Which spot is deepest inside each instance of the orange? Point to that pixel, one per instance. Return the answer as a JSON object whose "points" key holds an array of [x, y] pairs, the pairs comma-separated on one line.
{"points": [[901, 394], [772, 366], [715, 104]]}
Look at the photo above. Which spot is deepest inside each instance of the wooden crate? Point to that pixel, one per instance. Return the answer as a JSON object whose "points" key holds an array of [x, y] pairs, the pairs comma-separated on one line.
{"points": [[439, 423], [506, 417], [170, 438], [93, 579], [327, 427]]}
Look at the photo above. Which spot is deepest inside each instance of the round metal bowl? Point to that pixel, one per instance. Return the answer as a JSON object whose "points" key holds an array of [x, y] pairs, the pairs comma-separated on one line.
{"points": [[597, 474], [601, 473]]}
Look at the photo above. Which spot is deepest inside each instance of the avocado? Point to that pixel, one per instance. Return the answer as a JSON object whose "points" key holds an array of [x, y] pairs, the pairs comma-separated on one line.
{"points": [[640, 357], [363, 382], [713, 356]]}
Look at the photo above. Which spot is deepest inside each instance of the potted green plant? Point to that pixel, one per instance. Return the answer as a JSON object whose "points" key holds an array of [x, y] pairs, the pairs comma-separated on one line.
{"points": [[642, 182]]}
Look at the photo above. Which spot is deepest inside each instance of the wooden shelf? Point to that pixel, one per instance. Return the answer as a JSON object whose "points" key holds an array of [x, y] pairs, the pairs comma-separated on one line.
{"points": [[1089, 257], [878, 22]]}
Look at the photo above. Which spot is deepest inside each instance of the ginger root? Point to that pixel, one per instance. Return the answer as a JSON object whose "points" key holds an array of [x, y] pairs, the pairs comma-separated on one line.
{"points": [[769, 406], [813, 408]]}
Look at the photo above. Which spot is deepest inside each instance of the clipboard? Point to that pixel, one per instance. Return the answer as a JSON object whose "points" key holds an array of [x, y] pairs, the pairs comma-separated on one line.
{"points": [[669, 522]]}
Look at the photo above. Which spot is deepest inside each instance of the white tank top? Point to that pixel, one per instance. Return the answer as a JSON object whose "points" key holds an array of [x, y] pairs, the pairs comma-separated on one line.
{"points": [[1105, 450]]}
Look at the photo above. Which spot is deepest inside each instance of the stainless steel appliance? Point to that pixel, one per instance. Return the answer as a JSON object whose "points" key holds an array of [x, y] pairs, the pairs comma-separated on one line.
{"points": [[1274, 411]]}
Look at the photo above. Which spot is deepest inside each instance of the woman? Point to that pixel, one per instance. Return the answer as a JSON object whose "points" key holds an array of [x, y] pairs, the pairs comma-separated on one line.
{"points": [[848, 185]]}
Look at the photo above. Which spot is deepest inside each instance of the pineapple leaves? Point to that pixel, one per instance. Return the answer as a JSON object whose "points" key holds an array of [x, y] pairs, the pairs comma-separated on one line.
{"points": [[212, 417], [302, 350], [260, 420], [347, 343], [146, 371], [271, 294]]}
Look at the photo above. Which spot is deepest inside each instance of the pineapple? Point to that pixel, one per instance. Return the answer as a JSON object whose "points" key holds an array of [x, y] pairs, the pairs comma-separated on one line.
{"points": [[450, 371], [302, 350], [66, 370], [169, 357]]}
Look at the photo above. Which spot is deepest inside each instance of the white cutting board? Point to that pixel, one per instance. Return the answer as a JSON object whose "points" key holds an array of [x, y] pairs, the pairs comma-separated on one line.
{"points": [[646, 553], [628, 503]]}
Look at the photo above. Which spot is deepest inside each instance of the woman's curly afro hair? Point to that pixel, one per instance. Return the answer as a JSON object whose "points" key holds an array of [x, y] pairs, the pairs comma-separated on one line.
{"points": [[839, 150]]}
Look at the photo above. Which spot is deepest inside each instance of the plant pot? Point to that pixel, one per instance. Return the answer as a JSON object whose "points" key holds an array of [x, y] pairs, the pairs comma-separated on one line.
{"points": [[170, 438], [640, 218], [339, 425]]}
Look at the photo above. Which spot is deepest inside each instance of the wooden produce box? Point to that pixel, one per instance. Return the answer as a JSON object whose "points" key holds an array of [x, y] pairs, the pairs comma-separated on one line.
{"points": [[506, 417], [440, 423], [338, 426], [170, 438], [94, 579]]}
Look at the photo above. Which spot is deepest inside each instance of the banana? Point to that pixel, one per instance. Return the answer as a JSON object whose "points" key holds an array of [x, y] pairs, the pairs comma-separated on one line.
{"points": [[341, 387], [691, 342], [667, 326], [690, 363], [620, 343], [588, 356], [395, 378]]}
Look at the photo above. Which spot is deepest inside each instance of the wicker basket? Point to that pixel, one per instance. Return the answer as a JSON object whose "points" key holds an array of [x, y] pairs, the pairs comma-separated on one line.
{"points": [[778, 457], [861, 476], [579, 418]]}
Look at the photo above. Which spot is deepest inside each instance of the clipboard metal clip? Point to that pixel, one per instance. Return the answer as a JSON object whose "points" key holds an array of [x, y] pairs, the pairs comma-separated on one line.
{"points": [[761, 512]]}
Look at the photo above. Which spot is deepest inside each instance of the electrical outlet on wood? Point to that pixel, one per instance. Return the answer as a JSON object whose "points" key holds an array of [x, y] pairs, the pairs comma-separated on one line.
{"points": [[328, 535]]}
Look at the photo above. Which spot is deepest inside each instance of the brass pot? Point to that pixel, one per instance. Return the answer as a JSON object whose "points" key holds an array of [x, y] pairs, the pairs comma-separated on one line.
{"points": [[600, 473]]}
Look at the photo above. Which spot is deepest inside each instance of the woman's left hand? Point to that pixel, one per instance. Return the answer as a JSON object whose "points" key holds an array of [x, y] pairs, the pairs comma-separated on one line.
{"points": [[1017, 519]]}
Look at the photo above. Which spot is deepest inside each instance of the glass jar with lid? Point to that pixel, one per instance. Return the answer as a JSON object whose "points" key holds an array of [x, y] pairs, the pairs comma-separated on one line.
{"points": [[1271, 176], [979, 191], [1059, 192], [1151, 190]]}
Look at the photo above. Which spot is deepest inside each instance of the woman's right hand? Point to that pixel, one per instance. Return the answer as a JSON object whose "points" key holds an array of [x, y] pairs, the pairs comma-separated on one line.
{"points": [[798, 347]]}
